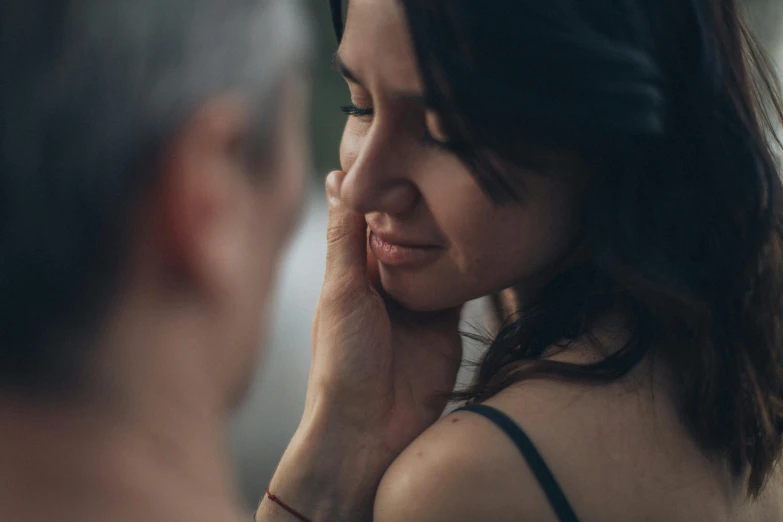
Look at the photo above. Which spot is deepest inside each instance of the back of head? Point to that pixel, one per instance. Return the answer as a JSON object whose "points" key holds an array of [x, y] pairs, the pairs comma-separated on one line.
{"points": [[91, 91]]}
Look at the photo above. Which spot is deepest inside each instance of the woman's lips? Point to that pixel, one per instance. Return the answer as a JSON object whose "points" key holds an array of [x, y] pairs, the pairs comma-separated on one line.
{"points": [[409, 256]]}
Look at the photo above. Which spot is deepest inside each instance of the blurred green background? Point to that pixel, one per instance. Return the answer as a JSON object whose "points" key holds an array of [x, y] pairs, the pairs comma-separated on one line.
{"points": [[329, 93]]}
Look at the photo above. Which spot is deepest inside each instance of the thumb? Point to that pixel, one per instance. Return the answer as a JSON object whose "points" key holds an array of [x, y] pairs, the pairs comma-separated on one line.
{"points": [[346, 239]]}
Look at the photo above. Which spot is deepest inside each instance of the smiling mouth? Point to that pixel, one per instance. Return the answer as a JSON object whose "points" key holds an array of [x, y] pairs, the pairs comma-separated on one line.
{"points": [[399, 255]]}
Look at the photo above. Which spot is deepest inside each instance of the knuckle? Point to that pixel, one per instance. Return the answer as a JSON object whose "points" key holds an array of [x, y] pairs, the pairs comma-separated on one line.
{"points": [[346, 278], [337, 231], [338, 297]]}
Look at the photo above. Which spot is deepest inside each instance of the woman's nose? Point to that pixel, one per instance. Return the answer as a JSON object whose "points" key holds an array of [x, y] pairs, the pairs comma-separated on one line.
{"points": [[364, 196], [376, 183]]}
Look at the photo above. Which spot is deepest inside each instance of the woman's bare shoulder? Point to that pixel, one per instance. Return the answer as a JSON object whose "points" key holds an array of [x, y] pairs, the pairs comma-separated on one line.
{"points": [[618, 452], [460, 469]]}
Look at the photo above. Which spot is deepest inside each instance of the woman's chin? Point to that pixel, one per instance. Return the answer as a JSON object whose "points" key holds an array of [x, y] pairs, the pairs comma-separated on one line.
{"points": [[420, 298]]}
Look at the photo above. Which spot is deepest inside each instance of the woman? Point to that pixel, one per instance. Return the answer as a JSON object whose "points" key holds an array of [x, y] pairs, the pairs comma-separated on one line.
{"points": [[612, 163]]}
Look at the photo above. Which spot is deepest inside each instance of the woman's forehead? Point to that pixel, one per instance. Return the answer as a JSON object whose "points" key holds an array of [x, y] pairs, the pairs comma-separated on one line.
{"points": [[377, 46]]}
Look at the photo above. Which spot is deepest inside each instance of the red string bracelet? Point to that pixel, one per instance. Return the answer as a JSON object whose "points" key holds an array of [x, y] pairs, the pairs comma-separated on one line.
{"points": [[285, 506]]}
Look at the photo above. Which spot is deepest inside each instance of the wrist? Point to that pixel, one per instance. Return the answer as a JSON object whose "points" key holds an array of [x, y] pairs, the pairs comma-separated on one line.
{"points": [[330, 471]]}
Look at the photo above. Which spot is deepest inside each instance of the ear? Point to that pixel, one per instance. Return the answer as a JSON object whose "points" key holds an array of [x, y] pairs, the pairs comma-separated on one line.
{"points": [[202, 205]]}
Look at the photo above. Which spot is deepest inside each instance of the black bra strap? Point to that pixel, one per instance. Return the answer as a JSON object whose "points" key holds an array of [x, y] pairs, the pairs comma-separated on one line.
{"points": [[549, 485]]}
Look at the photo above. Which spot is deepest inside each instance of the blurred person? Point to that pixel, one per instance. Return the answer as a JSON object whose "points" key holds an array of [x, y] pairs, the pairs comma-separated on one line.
{"points": [[609, 168], [152, 167]]}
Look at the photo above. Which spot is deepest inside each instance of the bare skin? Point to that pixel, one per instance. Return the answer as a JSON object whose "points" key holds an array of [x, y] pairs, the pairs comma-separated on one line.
{"points": [[377, 381], [413, 191], [619, 452]]}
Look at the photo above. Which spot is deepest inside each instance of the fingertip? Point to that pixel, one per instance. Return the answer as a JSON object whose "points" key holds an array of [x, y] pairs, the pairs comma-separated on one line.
{"points": [[334, 183]]}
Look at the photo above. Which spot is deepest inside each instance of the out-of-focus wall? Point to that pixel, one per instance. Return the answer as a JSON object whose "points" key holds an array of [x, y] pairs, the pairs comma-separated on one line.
{"points": [[766, 18], [269, 417], [265, 423], [329, 93]]}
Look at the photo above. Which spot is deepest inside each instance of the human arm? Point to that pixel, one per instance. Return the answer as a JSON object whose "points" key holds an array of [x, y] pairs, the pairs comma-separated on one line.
{"points": [[379, 377], [327, 473]]}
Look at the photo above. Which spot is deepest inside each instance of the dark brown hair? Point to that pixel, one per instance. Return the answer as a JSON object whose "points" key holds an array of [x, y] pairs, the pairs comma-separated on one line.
{"points": [[672, 102]]}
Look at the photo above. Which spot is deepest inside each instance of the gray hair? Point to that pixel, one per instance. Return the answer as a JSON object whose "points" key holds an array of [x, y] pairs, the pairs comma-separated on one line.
{"points": [[90, 91]]}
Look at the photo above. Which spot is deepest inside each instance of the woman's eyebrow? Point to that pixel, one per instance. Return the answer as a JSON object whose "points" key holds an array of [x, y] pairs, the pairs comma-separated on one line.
{"points": [[411, 96]]}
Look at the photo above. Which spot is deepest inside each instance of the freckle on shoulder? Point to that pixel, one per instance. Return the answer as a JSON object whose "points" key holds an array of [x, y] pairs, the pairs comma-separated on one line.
{"points": [[462, 468]]}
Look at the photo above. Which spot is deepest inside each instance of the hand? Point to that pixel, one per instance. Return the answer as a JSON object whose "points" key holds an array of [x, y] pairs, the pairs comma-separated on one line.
{"points": [[380, 376], [377, 368]]}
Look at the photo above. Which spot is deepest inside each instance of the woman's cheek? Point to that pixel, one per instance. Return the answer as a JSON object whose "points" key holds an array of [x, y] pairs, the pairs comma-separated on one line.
{"points": [[350, 146]]}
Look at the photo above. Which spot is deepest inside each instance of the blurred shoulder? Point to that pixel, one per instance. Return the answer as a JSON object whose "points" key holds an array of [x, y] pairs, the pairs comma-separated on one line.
{"points": [[461, 469]]}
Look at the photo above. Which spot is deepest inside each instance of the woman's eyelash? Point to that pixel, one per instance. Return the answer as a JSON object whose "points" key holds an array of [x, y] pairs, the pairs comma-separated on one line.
{"points": [[427, 139], [353, 110]]}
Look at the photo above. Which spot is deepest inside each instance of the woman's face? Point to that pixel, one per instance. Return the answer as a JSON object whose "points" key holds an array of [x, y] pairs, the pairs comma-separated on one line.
{"points": [[439, 240]]}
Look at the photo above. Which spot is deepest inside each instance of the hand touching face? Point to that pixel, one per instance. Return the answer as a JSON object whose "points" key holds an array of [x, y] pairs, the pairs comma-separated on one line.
{"points": [[439, 239]]}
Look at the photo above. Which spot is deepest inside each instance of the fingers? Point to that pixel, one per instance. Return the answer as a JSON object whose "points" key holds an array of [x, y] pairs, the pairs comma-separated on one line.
{"points": [[346, 251], [373, 272]]}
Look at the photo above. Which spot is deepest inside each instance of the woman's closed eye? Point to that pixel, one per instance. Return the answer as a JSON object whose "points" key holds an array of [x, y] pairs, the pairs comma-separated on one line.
{"points": [[428, 139], [352, 110]]}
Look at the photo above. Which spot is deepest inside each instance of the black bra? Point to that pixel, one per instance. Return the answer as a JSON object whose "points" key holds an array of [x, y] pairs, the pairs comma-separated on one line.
{"points": [[549, 485]]}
